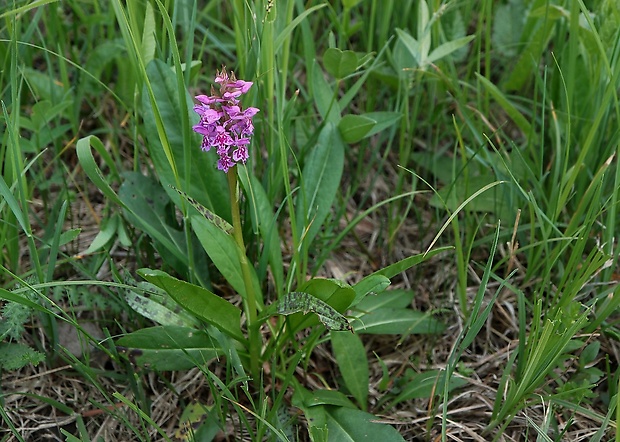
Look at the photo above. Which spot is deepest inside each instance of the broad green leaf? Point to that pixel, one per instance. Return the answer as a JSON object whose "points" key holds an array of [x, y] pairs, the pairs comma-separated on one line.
{"points": [[145, 200], [550, 12], [168, 348], [68, 236], [224, 252], [41, 86], [337, 294], [348, 425], [353, 90], [148, 35], [453, 27], [396, 321], [371, 284], [102, 57], [194, 68], [413, 49], [199, 301], [286, 421], [305, 303], [340, 63], [154, 308], [325, 99], [315, 416], [393, 299], [405, 264], [327, 397], [42, 113], [448, 48], [353, 128], [427, 384], [351, 358], [321, 182], [589, 354], [382, 120]]}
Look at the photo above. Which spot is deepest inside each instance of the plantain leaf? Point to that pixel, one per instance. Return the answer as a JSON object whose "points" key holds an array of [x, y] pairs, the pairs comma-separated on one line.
{"points": [[427, 384], [371, 284], [315, 416], [349, 425], [351, 357], [400, 298], [321, 182], [324, 96]]}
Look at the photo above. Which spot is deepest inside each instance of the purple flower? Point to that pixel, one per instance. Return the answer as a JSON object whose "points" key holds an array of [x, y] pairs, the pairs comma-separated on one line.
{"points": [[225, 163], [239, 86], [224, 124], [240, 154], [205, 99]]}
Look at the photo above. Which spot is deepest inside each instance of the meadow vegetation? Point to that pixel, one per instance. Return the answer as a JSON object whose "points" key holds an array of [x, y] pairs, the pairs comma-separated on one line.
{"points": [[417, 238]]}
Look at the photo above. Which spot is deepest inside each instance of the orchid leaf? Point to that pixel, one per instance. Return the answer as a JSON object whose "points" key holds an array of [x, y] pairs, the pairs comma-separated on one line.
{"points": [[305, 303], [215, 219]]}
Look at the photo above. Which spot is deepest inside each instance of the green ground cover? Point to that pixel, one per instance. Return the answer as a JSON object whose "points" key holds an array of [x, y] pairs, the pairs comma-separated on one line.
{"points": [[421, 242]]}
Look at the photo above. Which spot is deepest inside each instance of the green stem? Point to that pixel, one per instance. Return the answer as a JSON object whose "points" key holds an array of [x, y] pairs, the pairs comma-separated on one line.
{"points": [[249, 303]]}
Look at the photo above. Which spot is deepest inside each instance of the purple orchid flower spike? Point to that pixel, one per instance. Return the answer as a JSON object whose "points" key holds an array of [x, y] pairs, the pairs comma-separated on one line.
{"points": [[224, 124]]}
